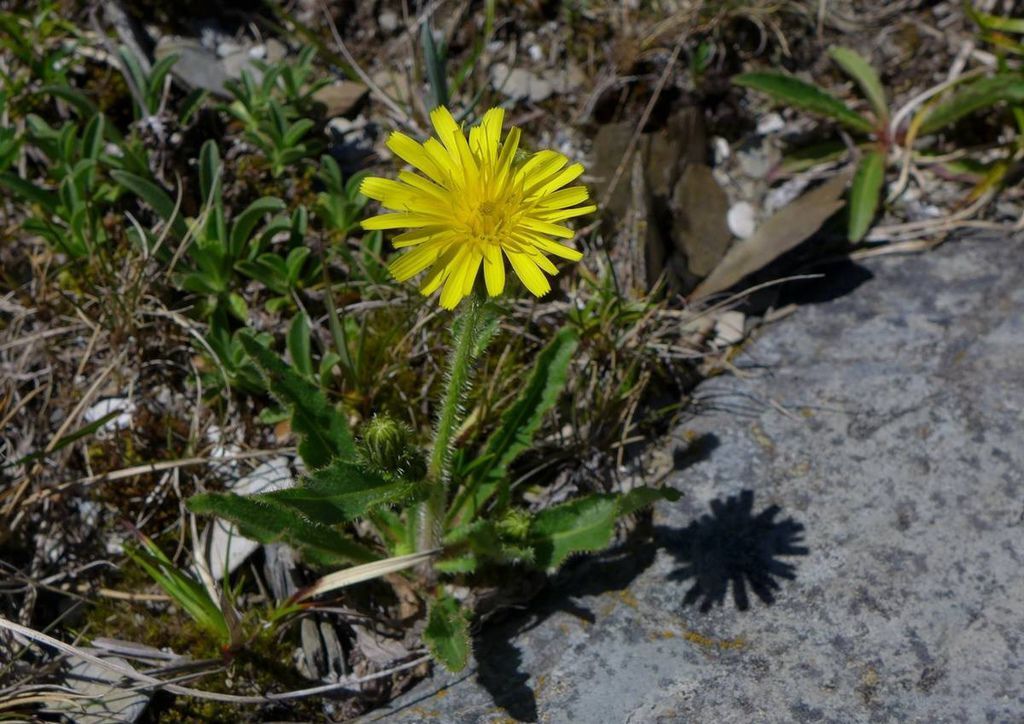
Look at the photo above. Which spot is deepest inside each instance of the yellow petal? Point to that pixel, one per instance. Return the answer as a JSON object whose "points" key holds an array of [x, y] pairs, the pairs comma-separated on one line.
{"points": [[562, 214], [527, 271], [559, 199], [440, 271], [429, 187], [398, 220], [472, 267], [415, 155], [547, 185], [494, 270], [544, 263], [413, 262], [540, 166], [399, 196], [508, 153], [418, 236], [450, 134], [553, 247], [545, 227], [453, 291], [490, 134]]}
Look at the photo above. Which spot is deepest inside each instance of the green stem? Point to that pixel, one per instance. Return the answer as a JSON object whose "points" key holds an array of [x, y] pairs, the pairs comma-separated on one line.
{"points": [[430, 512]]}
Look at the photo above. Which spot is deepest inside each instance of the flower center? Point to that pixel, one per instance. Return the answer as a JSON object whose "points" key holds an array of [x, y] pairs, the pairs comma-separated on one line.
{"points": [[490, 221]]}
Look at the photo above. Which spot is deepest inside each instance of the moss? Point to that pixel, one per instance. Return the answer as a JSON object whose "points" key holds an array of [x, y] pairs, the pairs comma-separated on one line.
{"points": [[263, 664]]}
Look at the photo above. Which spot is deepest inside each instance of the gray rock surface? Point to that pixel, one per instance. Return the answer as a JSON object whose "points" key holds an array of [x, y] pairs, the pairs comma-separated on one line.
{"points": [[887, 423]]}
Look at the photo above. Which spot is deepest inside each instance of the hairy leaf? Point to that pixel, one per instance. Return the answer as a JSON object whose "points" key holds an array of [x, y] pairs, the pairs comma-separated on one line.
{"points": [[974, 96], [864, 193], [806, 97], [861, 71], [447, 633], [586, 524], [341, 492], [521, 420], [267, 521], [323, 430]]}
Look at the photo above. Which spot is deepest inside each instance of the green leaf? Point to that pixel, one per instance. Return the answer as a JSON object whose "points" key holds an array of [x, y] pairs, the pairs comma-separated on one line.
{"points": [[186, 591], [75, 98], [812, 155], [155, 196], [192, 103], [994, 22], [296, 131], [521, 420], [861, 71], [155, 83], [642, 497], [447, 633], [434, 60], [323, 430], [71, 437], [586, 524], [973, 96], [209, 172], [48, 200], [298, 343], [797, 93], [342, 492], [864, 194], [264, 520]]}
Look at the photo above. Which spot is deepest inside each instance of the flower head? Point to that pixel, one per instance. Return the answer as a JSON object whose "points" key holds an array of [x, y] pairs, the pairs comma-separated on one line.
{"points": [[473, 204]]}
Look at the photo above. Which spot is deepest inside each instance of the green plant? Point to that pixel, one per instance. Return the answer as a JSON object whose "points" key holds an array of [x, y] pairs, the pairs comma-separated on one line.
{"points": [[457, 504], [212, 610], [274, 110], [41, 46], [71, 197], [877, 133]]}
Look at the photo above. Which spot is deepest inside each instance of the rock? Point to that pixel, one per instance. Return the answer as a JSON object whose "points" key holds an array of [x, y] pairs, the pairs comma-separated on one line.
{"points": [[520, 84], [228, 549], [729, 329], [667, 202], [196, 67], [742, 219], [388, 21], [770, 123], [699, 230], [199, 66], [107, 696], [341, 97], [866, 474], [119, 409]]}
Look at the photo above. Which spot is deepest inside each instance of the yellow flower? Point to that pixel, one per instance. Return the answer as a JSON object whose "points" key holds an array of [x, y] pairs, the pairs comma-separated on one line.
{"points": [[474, 206]]}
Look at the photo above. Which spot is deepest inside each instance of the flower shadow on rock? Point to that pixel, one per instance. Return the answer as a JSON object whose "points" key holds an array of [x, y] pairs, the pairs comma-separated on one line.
{"points": [[731, 545]]}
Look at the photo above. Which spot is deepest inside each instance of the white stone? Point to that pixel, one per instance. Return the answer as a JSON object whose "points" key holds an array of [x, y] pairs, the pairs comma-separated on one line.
{"points": [[741, 219]]}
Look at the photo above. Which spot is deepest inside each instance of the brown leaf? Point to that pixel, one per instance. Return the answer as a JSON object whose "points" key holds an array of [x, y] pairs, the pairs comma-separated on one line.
{"points": [[776, 236]]}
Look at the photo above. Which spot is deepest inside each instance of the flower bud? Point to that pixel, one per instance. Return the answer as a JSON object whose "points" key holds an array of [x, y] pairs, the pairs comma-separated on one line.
{"points": [[515, 524], [388, 446]]}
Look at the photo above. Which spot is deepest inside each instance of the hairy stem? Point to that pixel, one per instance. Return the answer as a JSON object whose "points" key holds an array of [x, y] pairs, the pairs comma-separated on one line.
{"points": [[431, 512]]}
